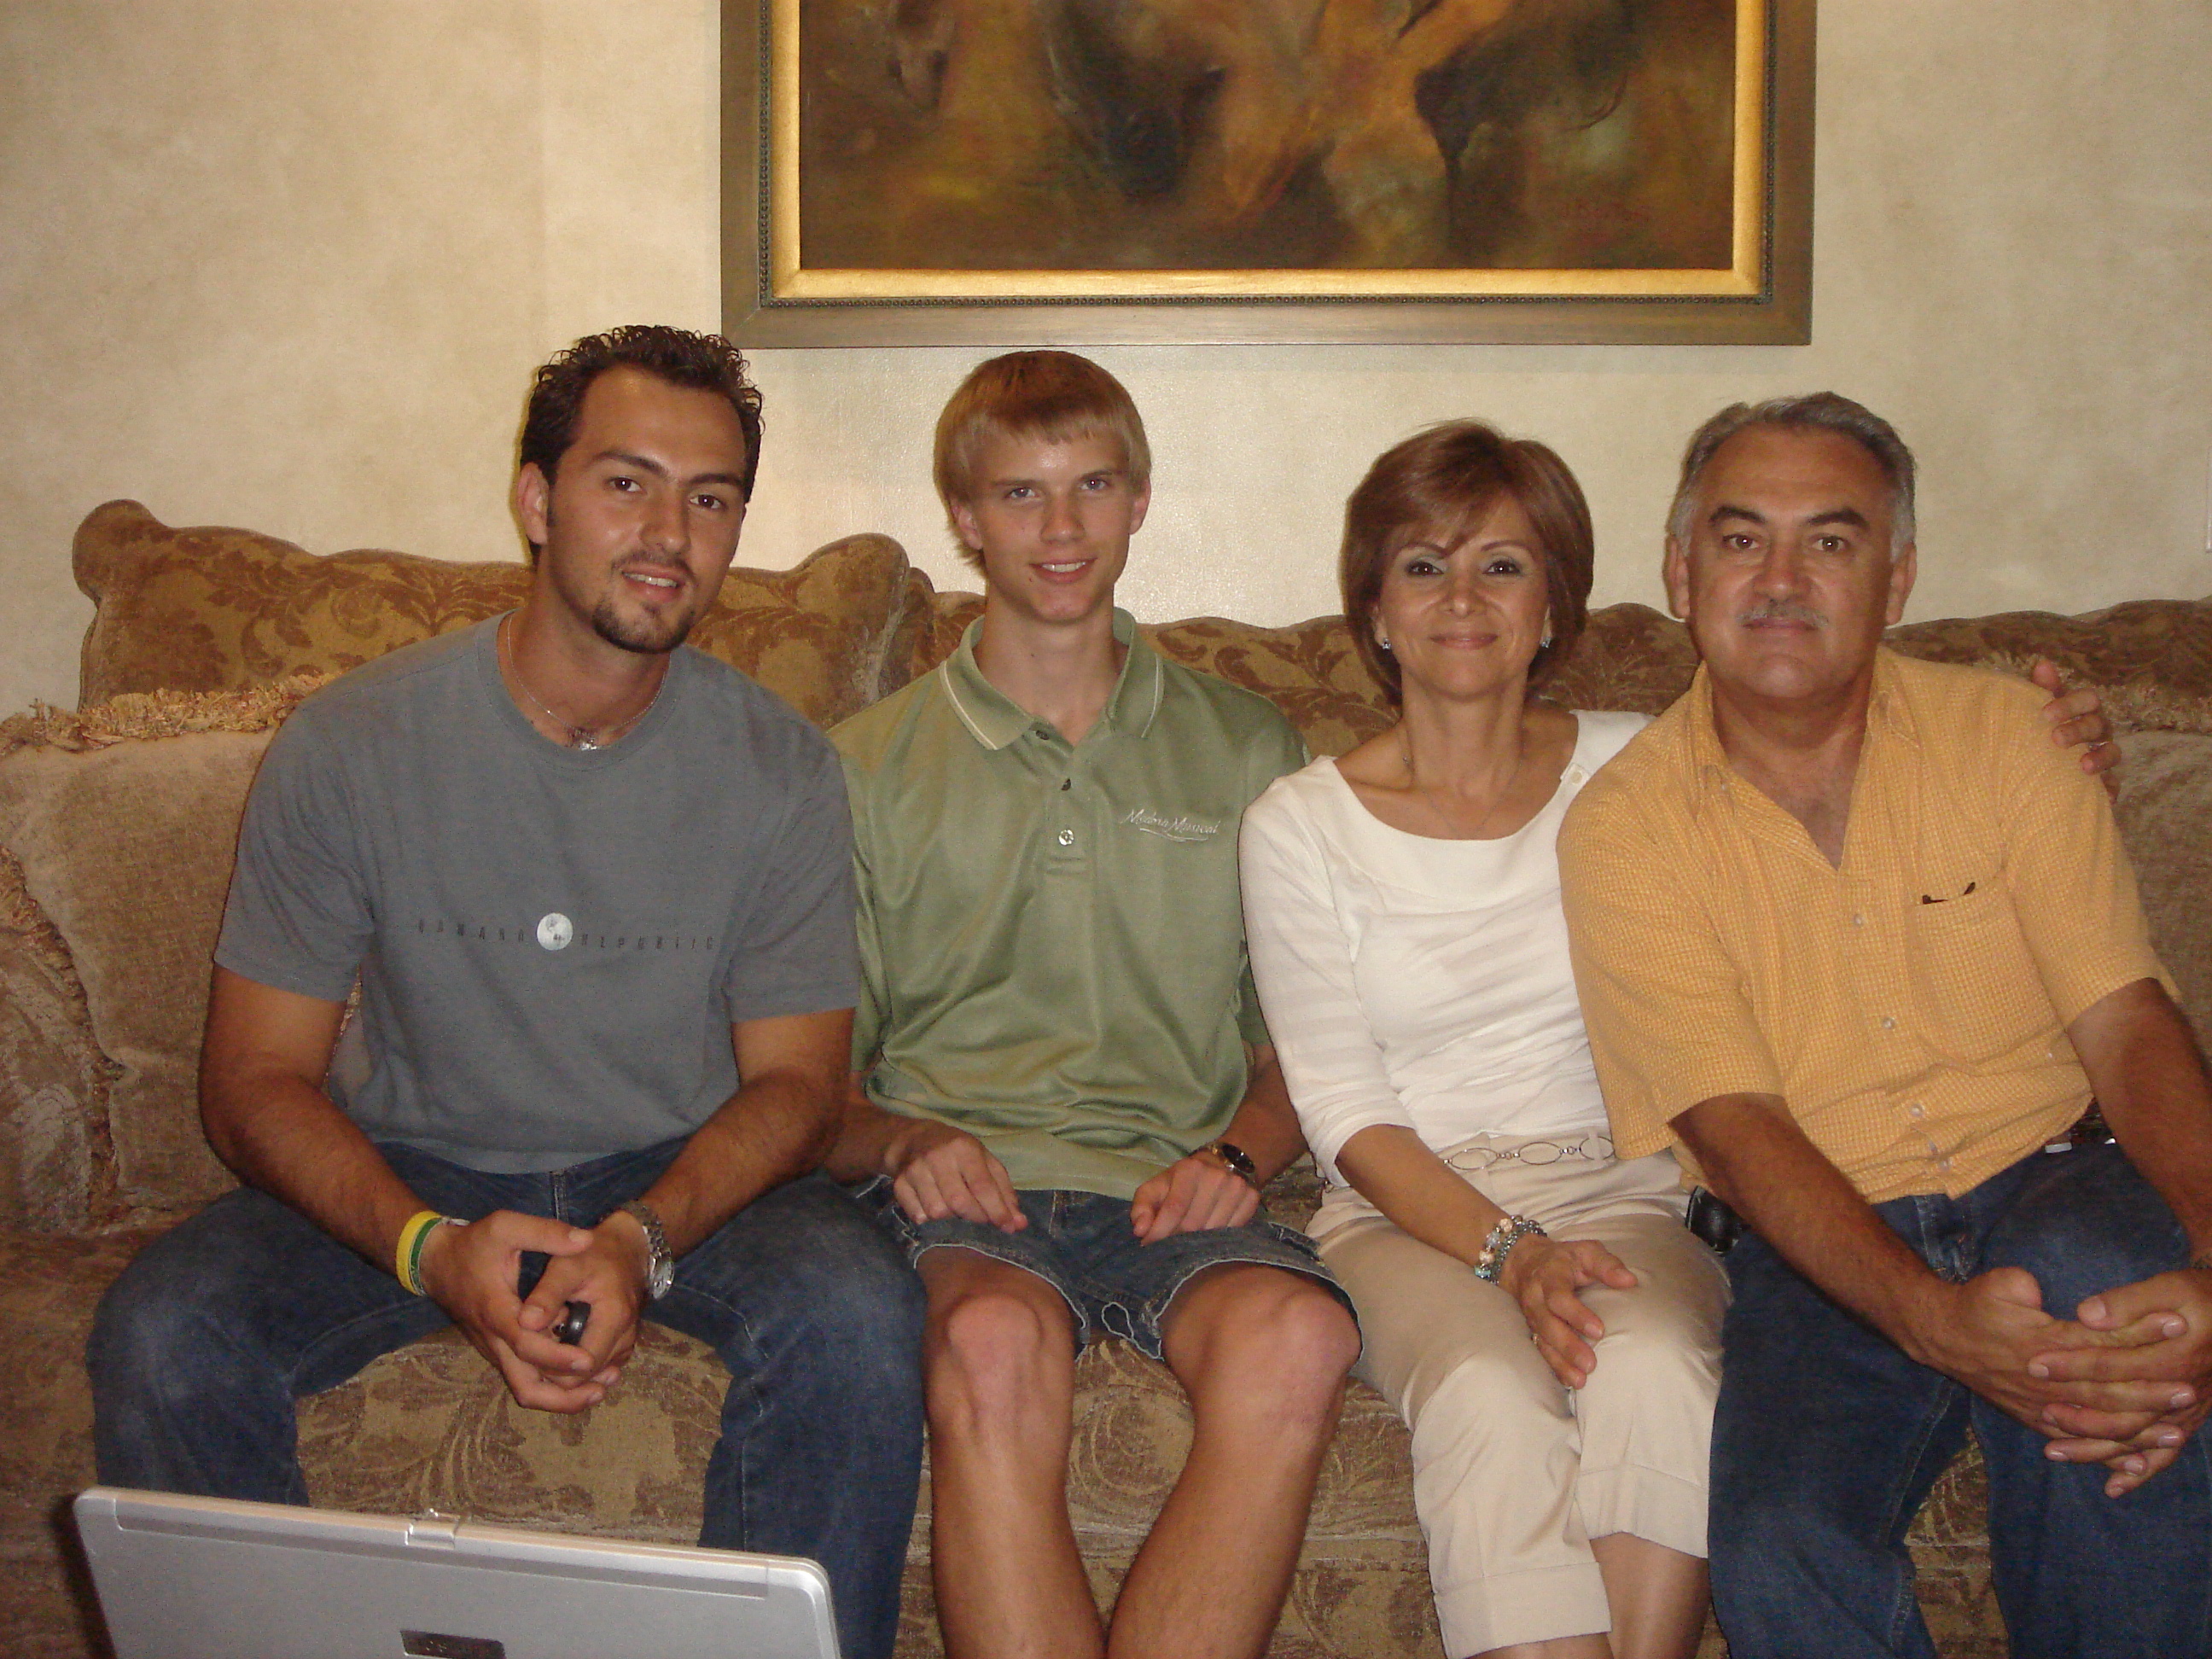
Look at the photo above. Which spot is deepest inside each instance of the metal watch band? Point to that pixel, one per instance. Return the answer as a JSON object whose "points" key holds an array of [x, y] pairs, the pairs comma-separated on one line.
{"points": [[661, 1267], [1239, 1161]]}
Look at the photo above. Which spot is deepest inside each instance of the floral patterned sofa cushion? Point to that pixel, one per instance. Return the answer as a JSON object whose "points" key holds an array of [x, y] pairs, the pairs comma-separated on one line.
{"points": [[207, 609]]}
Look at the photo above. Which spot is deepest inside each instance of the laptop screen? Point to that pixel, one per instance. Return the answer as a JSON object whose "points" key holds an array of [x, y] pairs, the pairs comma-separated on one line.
{"points": [[208, 1578]]}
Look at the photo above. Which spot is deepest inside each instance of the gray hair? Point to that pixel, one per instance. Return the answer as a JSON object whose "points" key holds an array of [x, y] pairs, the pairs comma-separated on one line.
{"points": [[1817, 411]]}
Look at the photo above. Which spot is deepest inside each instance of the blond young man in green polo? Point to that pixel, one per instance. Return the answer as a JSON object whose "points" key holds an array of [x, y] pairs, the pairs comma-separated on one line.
{"points": [[1063, 1091]]}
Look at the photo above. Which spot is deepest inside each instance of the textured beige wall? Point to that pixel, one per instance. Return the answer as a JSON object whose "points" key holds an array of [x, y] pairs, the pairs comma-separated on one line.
{"points": [[288, 263]]}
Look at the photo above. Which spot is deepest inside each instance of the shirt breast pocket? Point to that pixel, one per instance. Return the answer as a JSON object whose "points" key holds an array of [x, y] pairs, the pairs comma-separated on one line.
{"points": [[1976, 988]]}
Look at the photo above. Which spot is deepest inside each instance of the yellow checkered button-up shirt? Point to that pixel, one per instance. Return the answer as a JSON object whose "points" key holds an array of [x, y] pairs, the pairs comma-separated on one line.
{"points": [[1910, 1003]]}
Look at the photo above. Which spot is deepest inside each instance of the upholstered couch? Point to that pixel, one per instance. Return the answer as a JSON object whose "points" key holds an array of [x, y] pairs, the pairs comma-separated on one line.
{"points": [[117, 823]]}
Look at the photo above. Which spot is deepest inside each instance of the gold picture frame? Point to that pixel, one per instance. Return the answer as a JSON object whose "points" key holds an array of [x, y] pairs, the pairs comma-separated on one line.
{"points": [[803, 174]]}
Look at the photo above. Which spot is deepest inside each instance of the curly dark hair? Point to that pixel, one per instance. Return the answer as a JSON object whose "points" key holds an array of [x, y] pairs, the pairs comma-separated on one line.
{"points": [[703, 362]]}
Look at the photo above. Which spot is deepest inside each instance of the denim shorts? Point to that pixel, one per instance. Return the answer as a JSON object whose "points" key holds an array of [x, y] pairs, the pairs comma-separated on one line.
{"points": [[1082, 1244]]}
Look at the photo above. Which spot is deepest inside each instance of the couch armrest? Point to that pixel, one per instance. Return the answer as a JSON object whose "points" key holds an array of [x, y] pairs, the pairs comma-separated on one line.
{"points": [[56, 1165]]}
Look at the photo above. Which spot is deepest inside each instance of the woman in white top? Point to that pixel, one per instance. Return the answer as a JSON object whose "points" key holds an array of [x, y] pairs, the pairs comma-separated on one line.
{"points": [[1403, 908]]}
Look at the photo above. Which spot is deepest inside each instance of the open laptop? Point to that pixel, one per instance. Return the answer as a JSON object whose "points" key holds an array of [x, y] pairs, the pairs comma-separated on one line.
{"points": [[208, 1578]]}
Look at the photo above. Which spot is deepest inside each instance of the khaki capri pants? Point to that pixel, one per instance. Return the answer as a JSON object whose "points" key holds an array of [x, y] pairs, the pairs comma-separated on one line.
{"points": [[1513, 1473]]}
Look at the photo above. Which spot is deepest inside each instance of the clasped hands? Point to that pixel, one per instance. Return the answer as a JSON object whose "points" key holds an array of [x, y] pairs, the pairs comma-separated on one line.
{"points": [[2124, 1383], [939, 1171], [472, 1272]]}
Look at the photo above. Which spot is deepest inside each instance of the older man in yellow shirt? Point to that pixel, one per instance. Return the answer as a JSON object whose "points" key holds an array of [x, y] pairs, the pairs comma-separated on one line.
{"points": [[1865, 949]]}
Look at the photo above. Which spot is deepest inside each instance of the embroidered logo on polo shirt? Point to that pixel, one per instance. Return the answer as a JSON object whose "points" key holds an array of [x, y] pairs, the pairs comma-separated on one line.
{"points": [[1179, 828]]}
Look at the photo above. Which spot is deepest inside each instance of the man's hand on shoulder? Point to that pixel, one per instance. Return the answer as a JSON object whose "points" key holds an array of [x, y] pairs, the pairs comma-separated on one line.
{"points": [[938, 1171], [2077, 720], [470, 1272], [1190, 1195]]}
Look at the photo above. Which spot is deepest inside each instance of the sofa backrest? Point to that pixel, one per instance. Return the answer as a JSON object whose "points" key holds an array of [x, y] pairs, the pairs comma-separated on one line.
{"points": [[212, 609], [2151, 660]]}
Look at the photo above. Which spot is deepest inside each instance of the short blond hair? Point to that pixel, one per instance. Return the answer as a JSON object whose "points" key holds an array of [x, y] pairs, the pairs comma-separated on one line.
{"points": [[1053, 395]]}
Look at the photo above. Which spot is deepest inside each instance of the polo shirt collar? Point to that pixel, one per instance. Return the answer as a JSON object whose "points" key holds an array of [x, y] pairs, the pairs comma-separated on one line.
{"points": [[995, 720]]}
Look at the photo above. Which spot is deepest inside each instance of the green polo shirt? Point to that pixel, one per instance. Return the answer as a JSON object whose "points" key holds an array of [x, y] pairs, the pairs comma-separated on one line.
{"points": [[1052, 945]]}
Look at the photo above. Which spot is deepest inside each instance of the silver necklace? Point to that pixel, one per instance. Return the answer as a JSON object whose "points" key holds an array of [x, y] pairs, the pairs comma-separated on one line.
{"points": [[579, 737]]}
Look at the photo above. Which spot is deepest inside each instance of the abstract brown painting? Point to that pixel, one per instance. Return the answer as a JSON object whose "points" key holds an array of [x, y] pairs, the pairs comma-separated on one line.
{"points": [[1266, 134], [1074, 151]]}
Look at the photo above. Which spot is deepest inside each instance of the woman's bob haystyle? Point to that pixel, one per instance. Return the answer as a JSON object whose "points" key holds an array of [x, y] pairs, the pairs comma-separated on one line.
{"points": [[1438, 486]]}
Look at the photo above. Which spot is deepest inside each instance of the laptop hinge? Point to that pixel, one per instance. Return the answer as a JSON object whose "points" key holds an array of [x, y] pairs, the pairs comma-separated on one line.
{"points": [[432, 1531]]}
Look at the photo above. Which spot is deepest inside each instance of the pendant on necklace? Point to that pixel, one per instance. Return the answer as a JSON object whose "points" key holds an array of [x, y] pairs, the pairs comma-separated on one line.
{"points": [[585, 743]]}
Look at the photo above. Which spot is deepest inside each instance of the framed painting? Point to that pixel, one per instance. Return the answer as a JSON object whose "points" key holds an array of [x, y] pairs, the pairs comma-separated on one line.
{"points": [[1040, 172]]}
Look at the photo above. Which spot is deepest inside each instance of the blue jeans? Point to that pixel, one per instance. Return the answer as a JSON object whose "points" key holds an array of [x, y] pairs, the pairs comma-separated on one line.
{"points": [[1828, 1437], [1082, 1245], [202, 1345]]}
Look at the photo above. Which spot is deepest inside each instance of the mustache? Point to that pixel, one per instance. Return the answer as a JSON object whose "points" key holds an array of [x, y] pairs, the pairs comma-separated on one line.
{"points": [[1782, 611]]}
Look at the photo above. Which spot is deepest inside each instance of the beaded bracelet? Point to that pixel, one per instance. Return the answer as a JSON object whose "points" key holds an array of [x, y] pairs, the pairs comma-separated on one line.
{"points": [[407, 1256], [1496, 1248]]}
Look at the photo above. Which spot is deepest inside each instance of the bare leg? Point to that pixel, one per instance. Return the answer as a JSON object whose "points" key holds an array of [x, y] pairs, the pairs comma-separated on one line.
{"points": [[1559, 1647], [1657, 1596], [1000, 1369], [1262, 1354], [1658, 1599]]}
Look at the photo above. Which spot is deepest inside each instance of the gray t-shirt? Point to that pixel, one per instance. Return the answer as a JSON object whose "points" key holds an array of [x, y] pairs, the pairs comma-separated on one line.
{"points": [[552, 943]]}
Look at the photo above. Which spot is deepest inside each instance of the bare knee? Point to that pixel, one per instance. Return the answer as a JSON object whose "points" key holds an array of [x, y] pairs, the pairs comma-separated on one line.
{"points": [[997, 1356], [1259, 1339]]}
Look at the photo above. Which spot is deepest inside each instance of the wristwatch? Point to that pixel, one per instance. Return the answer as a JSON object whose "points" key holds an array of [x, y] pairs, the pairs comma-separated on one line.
{"points": [[660, 1264], [1235, 1159]]}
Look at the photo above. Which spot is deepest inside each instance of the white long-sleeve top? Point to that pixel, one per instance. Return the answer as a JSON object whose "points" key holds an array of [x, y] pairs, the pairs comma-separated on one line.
{"points": [[1418, 982]]}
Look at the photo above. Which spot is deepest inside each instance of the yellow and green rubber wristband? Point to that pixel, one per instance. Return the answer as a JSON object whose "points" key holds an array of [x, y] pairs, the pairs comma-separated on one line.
{"points": [[407, 1256]]}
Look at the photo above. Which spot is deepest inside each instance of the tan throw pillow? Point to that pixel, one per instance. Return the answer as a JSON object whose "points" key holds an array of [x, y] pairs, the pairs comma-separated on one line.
{"points": [[210, 608], [123, 822]]}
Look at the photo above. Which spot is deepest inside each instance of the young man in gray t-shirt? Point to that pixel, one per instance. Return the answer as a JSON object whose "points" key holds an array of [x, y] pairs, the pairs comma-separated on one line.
{"points": [[596, 890]]}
